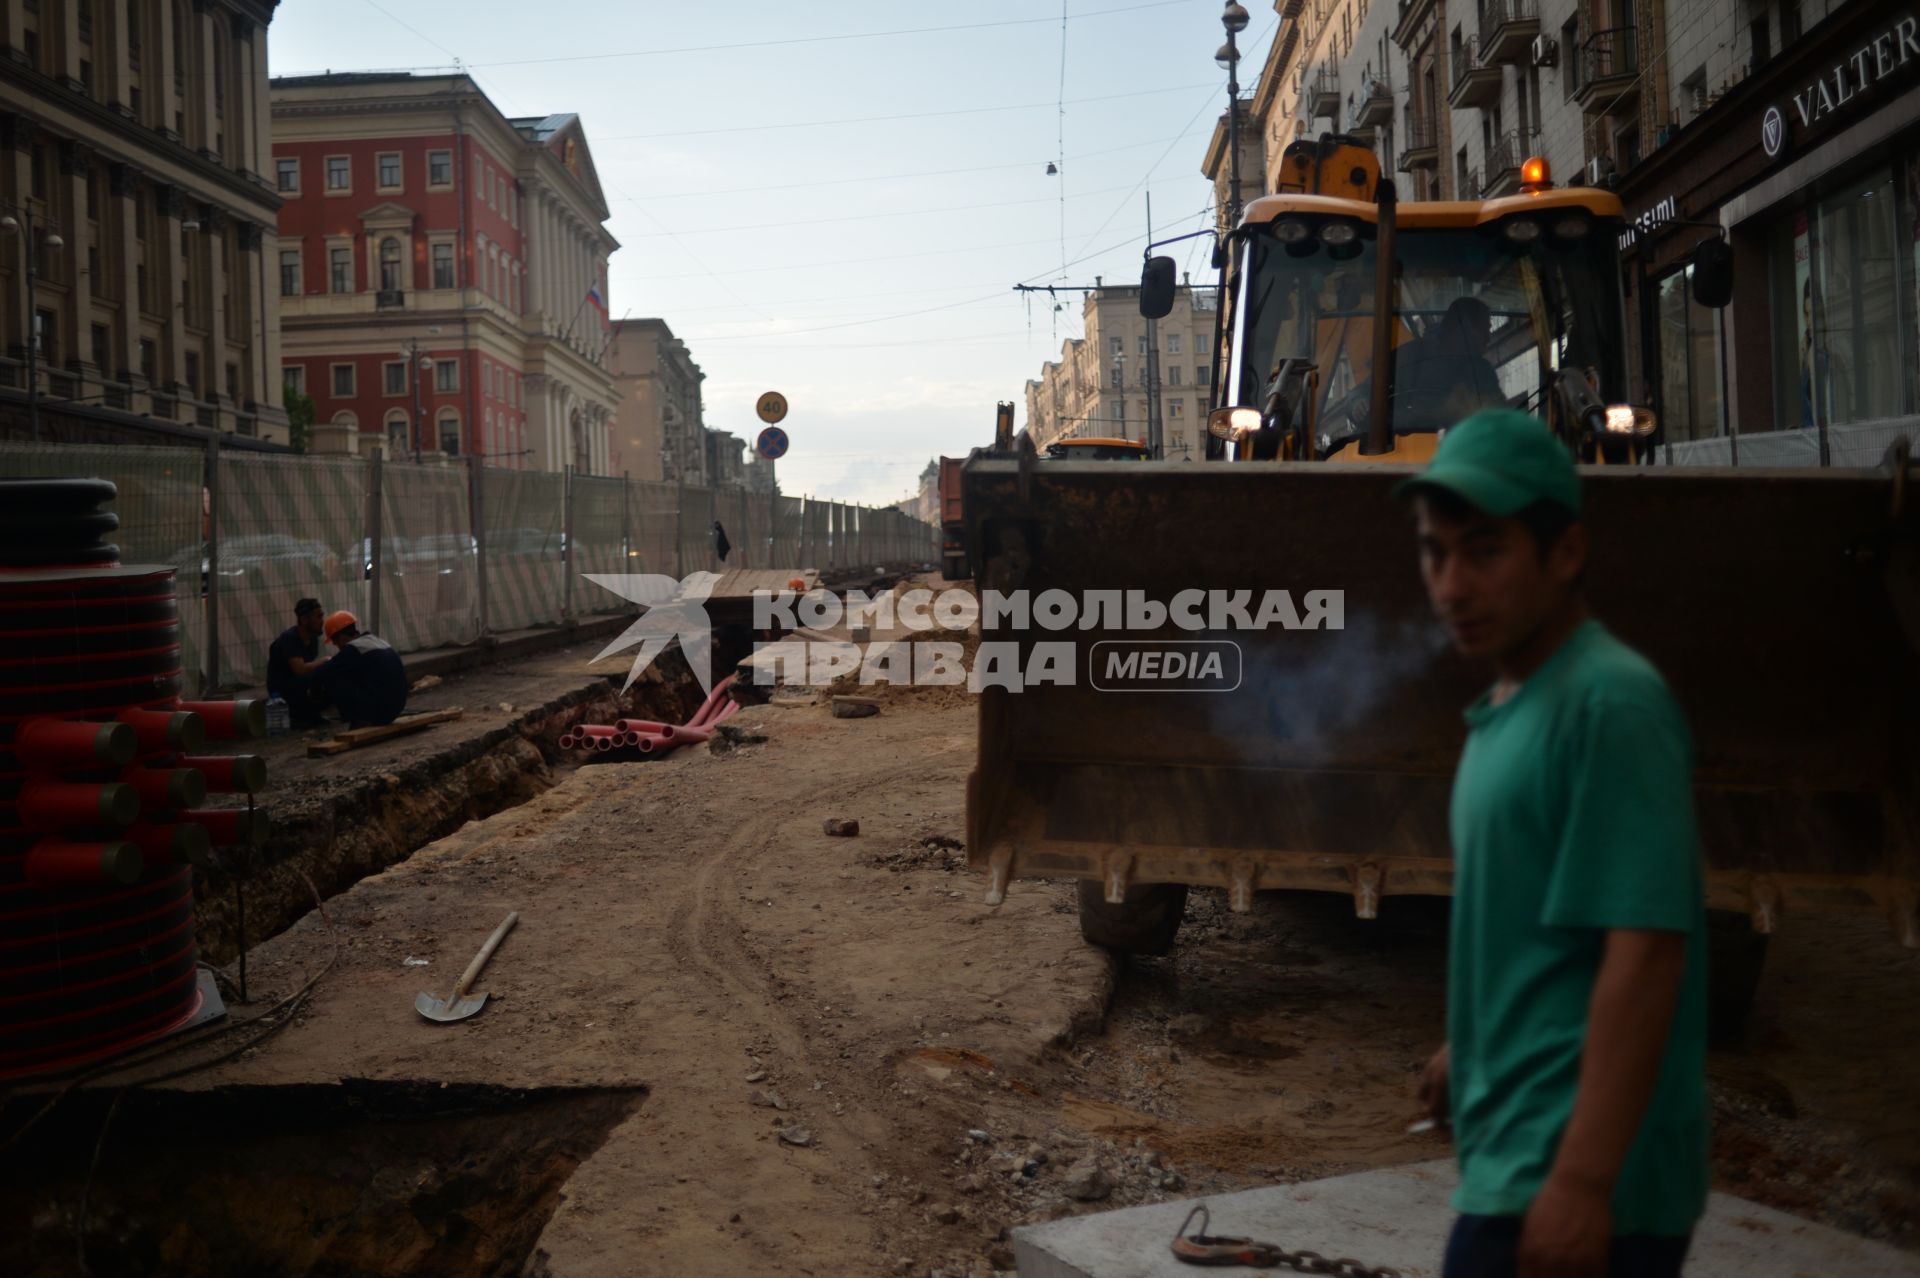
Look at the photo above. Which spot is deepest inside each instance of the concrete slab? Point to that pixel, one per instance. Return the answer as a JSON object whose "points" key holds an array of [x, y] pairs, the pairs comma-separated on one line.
{"points": [[1399, 1217]]}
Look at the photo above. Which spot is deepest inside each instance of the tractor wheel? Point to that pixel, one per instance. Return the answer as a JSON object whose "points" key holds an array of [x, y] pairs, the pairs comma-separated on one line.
{"points": [[1144, 923]]}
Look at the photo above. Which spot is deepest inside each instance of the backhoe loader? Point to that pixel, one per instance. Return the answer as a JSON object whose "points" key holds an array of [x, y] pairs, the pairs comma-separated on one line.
{"points": [[1781, 606]]}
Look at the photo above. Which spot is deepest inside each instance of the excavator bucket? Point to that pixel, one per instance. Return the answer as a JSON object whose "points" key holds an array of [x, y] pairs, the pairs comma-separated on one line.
{"points": [[1781, 607]]}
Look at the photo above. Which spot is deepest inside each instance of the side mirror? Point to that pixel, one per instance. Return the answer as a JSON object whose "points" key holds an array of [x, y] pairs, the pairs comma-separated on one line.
{"points": [[1712, 273], [1156, 288]]}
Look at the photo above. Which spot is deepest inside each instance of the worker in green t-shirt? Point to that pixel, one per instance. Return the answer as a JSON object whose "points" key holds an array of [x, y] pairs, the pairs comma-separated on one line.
{"points": [[1574, 1073]]}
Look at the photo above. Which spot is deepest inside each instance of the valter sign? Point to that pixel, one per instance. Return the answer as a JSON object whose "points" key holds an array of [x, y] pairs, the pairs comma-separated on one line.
{"points": [[1870, 66]]}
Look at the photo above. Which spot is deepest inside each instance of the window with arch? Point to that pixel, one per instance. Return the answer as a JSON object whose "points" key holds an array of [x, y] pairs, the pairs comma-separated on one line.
{"points": [[398, 440], [389, 264], [449, 424]]}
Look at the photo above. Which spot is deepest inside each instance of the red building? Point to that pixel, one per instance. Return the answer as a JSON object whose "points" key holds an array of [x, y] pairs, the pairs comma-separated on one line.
{"points": [[442, 271]]}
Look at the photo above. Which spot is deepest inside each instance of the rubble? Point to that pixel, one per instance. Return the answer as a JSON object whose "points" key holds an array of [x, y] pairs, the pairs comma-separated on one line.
{"points": [[842, 827]]}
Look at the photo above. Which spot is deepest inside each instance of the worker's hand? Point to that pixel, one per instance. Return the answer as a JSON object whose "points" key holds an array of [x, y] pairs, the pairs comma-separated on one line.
{"points": [[1433, 1085], [1567, 1232]]}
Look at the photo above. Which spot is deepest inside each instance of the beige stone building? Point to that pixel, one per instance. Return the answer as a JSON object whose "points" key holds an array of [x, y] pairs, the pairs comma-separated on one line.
{"points": [[659, 424], [1109, 382], [134, 154]]}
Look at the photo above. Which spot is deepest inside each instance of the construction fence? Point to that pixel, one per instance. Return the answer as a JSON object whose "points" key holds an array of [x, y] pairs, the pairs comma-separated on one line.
{"points": [[433, 555]]}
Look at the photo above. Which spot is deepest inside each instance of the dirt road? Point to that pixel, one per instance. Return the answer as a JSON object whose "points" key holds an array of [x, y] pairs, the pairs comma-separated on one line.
{"points": [[765, 1050]]}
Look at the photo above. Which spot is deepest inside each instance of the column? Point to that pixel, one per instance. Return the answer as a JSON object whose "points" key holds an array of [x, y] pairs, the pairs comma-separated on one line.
{"points": [[200, 96], [168, 81], [77, 340], [115, 89], [260, 108], [66, 25], [543, 245], [258, 379], [125, 258], [16, 179], [164, 264], [213, 229]]}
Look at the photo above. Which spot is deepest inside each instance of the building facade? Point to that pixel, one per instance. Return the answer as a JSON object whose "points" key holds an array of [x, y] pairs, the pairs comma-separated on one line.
{"points": [[660, 422], [134, 182], [1111, 382], [441, 272]]}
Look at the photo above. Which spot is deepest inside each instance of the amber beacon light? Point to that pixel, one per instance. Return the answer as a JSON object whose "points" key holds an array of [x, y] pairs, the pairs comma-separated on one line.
{"points": [[1535, 175]]}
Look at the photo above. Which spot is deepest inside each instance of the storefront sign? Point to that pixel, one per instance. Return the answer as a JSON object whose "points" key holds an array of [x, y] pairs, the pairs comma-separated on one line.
{"points": [[1663, 211], [1868, 69]]}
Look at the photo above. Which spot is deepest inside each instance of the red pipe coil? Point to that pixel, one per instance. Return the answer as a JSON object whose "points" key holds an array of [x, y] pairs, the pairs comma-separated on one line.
{"points": [[229, 773], [54, 745], [52, 806], [180, 843]]}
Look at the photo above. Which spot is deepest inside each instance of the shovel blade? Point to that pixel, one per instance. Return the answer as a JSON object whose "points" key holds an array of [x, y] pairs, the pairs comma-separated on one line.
{"points": [[441, 1009]]}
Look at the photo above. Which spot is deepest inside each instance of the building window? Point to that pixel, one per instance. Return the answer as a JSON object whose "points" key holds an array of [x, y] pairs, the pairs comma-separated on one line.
{"points": [[446, 375], [1203, 375], [487, 184], [1119, 410], [1176, 408], [390, 265], [393, 376], [449, 432], [339, 173], [294, 378], [233, 383], [100, 357], [343, 381], [439, 168], [1116, 378], [443, 266], [289, 272], [1570, 58], [149, 359], [1173, 343], [397, 432], [388, 168], [193, 374], [1173, 374], [286, 176], [340, 270], [1114, 346]]}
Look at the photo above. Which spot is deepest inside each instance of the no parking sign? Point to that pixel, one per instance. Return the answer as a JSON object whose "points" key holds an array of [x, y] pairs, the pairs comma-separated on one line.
{"points": [[772, 443]]}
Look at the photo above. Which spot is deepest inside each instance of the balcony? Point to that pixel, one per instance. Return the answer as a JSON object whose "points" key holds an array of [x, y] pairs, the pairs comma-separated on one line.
{"points": [[1475, 83], [390, 299], [1466, 184], [1510, 151], [1374, 107], [1410, 18], [1609, 71], [1507, 29], [1323, 98], [1422, 147]]}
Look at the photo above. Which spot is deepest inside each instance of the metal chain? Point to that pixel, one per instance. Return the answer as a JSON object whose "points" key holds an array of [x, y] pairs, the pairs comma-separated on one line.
{"points": [[1202, 1248]]}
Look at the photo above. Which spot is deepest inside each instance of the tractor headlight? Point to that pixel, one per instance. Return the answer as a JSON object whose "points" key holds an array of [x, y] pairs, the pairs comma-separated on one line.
{"points": [[1233, 424]]}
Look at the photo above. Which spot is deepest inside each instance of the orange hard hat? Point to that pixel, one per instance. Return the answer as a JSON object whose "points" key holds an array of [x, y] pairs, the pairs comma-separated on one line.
{"points": [[338, 621]]}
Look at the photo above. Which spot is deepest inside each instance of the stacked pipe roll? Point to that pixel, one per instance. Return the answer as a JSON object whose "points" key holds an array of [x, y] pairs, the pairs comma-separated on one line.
{"points": [[650, 736], [102, 790]]}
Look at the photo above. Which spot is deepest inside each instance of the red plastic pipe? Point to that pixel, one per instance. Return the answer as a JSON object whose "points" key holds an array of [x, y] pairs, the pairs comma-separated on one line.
{"points": [[182, 843], [229, 773], [167, 729], [231, 720], [55, 805], [163, 788], [58, 745], [638, 725], [231, 827], [54, 863]]}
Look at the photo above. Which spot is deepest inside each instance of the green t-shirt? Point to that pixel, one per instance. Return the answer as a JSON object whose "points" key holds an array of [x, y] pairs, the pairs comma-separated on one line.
{"points": [[1572, 814]]}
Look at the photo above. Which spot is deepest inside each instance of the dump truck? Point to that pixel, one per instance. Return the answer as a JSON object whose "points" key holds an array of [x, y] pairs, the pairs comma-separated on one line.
{"points": [[1782, 606]]}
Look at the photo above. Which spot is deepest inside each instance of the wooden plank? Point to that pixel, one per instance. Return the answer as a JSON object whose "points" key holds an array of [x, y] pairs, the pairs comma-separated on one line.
{"points": [[354, 738]]}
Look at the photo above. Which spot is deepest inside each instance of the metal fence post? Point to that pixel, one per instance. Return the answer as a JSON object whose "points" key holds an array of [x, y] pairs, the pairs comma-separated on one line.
{"points": [[212, 587], [376, 558], [626, 522], [679, 522], [477, 507], [566, 545]]}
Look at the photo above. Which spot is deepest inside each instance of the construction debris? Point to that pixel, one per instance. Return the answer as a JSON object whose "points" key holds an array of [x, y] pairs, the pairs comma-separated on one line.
{"points": [[354, 738], [855, 707], [842, 827]]}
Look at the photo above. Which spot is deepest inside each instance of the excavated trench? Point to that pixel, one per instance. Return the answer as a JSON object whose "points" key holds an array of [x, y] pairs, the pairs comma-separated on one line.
{"points": [[325, 840], [356, 1178]]}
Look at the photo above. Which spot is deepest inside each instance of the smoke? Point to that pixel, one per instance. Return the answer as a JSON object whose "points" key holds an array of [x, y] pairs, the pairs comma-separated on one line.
{"points": [[1313, 690]]}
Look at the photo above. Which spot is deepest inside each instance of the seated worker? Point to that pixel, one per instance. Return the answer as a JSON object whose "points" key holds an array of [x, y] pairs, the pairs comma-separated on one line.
{"points": [[293, 661], [365, 677], [1443, 375]]}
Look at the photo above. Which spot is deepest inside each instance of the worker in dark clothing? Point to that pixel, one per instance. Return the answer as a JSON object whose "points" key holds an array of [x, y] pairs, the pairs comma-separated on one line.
{"points": [[720, 543], [293, 665], [365, 676], [1443, 375]]}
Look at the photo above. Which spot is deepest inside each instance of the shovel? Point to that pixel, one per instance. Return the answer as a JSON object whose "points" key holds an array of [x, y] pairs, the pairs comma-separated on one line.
{"points": [[462, 1005]]}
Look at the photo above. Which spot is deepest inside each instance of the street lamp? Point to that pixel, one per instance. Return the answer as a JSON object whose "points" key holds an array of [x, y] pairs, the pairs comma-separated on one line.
{"points": [[32, 239], [1234, 19]]}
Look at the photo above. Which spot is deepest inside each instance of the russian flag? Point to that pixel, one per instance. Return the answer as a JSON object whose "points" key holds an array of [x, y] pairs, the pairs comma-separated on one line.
{"points": [[599, 302]]}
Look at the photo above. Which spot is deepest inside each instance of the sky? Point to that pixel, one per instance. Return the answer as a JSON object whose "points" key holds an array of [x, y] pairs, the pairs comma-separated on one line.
{"points": [[832, 200]]}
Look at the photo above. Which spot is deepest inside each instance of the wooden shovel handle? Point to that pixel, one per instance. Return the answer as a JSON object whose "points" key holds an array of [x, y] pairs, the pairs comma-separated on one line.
{"points": [[486, 952]]}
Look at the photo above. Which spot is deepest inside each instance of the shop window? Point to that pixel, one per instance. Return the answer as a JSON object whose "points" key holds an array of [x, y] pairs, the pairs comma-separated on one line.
{"points": [[1690, 406]]}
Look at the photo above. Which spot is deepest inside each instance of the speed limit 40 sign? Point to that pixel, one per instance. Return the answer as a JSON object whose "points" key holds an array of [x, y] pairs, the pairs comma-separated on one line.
{"points": [[772, 406]]}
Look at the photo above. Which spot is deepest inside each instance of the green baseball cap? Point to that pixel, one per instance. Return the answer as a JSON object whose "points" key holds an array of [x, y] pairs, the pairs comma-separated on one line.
{"points": [[1500, 461]]}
